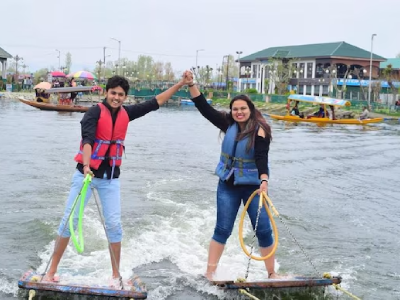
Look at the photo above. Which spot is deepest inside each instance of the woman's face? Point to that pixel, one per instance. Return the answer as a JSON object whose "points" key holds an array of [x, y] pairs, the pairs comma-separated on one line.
{"points": [[240, 111]]}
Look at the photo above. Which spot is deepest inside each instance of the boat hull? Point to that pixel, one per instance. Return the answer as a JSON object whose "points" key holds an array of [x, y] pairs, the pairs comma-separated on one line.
{"points": [[326, 120], [55, 107]]}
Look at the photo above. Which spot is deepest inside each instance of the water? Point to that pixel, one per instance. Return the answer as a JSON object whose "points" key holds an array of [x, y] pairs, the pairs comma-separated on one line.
{"points": [[336, 188]]}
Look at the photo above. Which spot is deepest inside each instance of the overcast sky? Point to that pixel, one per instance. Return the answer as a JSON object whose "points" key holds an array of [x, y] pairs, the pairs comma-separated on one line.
{"points": [[173, 30]]}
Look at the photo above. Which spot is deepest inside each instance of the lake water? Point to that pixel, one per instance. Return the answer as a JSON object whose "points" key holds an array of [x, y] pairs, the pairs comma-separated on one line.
{"points": [[337, 189]]}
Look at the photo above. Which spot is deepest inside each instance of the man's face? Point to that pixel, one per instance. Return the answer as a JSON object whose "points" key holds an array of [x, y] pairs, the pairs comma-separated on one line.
{"points": [[115, 97]]}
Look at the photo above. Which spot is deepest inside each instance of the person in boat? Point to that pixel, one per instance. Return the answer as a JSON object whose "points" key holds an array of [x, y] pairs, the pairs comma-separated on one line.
{"points": [[365, 114], [41, 94], [295, 110], [243, 168], [72, 83], [104, 127], [320, 113]]}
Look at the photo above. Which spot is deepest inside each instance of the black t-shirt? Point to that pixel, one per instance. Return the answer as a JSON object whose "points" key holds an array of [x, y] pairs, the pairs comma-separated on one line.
{"points": [[89, 126], [220, 120]]}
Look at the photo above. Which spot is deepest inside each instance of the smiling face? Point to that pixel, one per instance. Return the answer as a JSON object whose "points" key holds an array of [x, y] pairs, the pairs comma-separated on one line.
{"points": [[240, 111], [115, 97]]}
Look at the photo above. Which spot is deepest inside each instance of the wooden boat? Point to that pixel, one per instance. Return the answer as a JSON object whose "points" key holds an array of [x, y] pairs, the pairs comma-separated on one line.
{"points": [[323, 101], [64, 102], [55, 107]]}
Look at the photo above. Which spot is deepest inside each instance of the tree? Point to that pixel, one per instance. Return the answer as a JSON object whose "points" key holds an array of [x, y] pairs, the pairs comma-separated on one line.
{"points": [[11, 67], [359, 73], [168, 72], [376, 88], [68, 62], [391, 76], [40, 75], [158, 70], [333, 72], [144, 66], [280, 71], [229, 67]]}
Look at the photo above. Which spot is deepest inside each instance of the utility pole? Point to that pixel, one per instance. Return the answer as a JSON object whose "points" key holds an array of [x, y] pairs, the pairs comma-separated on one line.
{"points": [[104, 63], [370, 72], [59, 59], [238, 85], [119, 54], [17, 59], [197, 55], [227, 72], [99, 62]]}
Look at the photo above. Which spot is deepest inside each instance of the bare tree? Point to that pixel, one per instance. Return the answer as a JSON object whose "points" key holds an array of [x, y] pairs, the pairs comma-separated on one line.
{"points": [[158, 70], [334, 80], [280, 71], [359, 73], [168, 72], [229, 67], [376, 88]]}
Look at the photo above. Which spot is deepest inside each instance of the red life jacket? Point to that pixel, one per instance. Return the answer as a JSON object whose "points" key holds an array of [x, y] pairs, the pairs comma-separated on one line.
{"points": [[108, 138]]}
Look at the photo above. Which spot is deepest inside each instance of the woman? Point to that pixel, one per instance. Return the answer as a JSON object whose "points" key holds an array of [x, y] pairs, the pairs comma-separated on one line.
{"points": [[243, 168]]}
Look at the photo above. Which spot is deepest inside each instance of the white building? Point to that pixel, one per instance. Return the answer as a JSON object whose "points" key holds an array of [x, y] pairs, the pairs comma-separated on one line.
{"points": [[312, 67]]}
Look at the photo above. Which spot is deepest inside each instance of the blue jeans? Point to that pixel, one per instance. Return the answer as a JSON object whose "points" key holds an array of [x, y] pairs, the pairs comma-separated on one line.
{"points": [[110, 198], [229, 198]]}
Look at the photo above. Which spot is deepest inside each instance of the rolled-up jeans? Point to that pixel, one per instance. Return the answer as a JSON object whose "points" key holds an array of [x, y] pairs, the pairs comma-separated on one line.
{"points": [[110, 198], [229, 199]]}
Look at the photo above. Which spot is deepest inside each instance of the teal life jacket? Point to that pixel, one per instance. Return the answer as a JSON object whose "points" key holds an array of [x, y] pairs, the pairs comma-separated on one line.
{"points": [[236, 160]]}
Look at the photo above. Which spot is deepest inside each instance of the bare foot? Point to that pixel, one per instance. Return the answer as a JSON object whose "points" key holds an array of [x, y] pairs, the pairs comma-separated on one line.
{"points": [[49, 277], [209, 275], [277, 276]]}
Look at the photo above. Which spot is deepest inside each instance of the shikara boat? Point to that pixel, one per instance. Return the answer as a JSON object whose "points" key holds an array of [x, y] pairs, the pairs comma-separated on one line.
{"points": [[323, 102], [64, 101]]}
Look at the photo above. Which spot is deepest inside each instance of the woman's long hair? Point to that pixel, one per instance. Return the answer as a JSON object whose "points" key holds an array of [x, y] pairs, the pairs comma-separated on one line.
{"points": [[255, 121]]}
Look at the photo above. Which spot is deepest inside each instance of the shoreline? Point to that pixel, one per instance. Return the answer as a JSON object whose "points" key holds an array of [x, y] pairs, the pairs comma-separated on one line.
{"points": [[264, 107], [280, 109]]}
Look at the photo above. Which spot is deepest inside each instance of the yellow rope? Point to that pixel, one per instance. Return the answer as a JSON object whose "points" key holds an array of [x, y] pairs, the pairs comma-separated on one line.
{"points": [[338, 287], [263, 200], [32, 294], [244, 292]]}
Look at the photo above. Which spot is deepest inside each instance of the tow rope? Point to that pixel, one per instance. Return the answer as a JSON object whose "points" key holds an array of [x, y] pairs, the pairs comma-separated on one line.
{"points": [[79, 244]]}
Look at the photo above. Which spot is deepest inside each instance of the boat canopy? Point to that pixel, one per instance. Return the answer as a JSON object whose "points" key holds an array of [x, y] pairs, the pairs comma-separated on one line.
{"points": [[319, 100], [70, 89]]}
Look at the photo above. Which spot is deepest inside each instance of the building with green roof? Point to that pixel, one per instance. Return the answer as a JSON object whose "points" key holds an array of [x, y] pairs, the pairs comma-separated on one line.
{"points": [[4, 55], [312, 66]]}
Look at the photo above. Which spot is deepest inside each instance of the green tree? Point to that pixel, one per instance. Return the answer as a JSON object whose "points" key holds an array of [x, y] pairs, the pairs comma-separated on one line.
{"points": [[68, 62], [391, 76], [168, 72], [40, 75], [144, 66]]}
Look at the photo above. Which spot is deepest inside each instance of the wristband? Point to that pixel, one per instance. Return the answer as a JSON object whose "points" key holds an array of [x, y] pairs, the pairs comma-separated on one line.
{"points": [[264, 179]]}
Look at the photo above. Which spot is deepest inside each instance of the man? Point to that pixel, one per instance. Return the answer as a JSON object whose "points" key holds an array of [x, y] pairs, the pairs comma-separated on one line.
{"points": [[104, 128], [365, 114]]}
